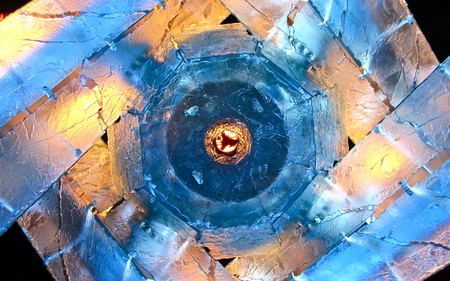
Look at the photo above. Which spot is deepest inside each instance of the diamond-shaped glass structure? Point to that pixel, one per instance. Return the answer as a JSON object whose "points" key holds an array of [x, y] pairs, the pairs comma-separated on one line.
{"points": [[225, 140]]}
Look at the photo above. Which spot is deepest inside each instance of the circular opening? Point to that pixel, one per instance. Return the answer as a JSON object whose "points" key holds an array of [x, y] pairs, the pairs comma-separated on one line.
{"points": [[228, 142], [218, 144]]}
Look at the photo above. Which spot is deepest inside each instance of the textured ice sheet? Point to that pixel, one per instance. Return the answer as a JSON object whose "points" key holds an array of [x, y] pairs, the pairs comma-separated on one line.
{"points": [[162, 244], [71, 241], [244, 240], [78, 28], [399, 245], [124, 143], [237, 38], [46, 144], [428, 107], [385, 39], [335, 70], [330, 147], [93, 173]]}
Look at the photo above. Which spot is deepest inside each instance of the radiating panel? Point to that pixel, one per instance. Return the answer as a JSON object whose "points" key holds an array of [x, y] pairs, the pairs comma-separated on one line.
{"points": [[385, 39], [161, 243], [409, 241], [428, 107], [71, 241], [93, 173], [124, 143], [50, 29]]}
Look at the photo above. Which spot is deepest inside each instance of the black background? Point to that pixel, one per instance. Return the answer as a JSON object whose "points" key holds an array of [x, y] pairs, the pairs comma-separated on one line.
{"points": [[18, 259]]}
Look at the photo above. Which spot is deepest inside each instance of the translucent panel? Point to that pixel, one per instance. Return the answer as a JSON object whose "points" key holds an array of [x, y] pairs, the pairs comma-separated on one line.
{"points": [[73, 116], [237, 38], [336, 71], [400, 246], [26, 153], [389, 155], [334, 145], [93, 173], [356, 191], [428, 109], [161, 243], [124, 142], [384, 39], [28, 53], [227, 243], [271, 16], [71, 241]]}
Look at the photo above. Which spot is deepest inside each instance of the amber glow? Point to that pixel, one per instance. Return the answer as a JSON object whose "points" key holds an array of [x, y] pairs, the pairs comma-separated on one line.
{"points": [[228, 143], [24, 38], [384, 163]]}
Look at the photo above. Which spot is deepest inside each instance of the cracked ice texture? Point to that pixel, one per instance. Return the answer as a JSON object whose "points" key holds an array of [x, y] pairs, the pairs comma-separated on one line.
{"points": [[428, 107], [124, 142], [383, 36], [47, 143], [162, 244], [238, 41], [71, 32], [72, 242], [407, 242], [93, 173], [243, 240]]}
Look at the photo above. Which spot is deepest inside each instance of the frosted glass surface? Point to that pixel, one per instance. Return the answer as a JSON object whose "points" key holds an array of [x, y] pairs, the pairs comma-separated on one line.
{"points": [[384, 37], [50, 29], [71, 240], [241, 140]]}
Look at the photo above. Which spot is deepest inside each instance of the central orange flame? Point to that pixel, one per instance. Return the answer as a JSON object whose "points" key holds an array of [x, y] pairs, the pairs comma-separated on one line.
{"points": [[228, 143]]}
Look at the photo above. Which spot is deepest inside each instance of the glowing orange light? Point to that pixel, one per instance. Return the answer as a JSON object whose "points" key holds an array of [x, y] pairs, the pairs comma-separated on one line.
{"points": [[228, 143]]}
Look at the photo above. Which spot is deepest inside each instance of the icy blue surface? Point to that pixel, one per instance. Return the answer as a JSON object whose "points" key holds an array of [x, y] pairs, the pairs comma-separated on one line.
{"points": [[303, 76], [406, 243], [77, 28]]}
